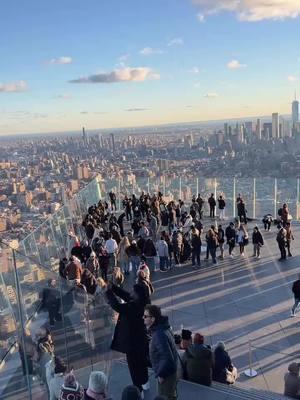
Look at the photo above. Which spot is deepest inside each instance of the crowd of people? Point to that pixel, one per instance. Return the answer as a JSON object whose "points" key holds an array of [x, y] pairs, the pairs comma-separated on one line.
{"points": [[149, 234]]}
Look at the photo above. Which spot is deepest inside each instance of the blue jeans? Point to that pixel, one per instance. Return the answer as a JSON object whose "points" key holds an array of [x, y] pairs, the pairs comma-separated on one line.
{"points": [[163, 262], [297, 301], [124, 265], [135, 262], [150, 261]]}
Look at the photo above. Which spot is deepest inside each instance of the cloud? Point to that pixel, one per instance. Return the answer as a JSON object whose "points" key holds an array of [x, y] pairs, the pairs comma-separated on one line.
{"points": [[194, 71], [13, 87], [175, 42], [138, 74], [136, 109], [211, 95], [292, 78], [61, 60], [148, 51], [235, 64], [84, 112], [63, 96], [252, 10], [200, 17], [124, 57]]}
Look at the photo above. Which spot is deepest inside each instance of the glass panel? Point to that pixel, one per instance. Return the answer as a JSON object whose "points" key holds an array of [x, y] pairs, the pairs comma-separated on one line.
{"points": [[225, 189], [244, 187], [287, 193], [264, 202]]}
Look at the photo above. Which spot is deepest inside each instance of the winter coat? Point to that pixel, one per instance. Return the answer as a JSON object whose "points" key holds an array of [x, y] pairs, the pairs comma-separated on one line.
{"points": [[296, 289], [230, 234], [221, 204], [177, 241], [130, 332], [199, 364], [212, 202], [221, 361], [196, 242], [73, 270], [292, 381], [149, 249], [162, 248], [133, 250], [54, 381], [89, 281], [257, 238], [92, 265], [162, 349]]}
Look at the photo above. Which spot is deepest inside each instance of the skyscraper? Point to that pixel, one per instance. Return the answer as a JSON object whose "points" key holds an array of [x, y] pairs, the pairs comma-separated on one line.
{"points": [[275, 126], [258, 129], [112, 137], [295, 112]]}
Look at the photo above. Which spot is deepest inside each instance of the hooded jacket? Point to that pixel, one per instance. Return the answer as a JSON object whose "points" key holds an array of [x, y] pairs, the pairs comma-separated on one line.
{"points": [[292, 381], [162, 349], [199, 364]]}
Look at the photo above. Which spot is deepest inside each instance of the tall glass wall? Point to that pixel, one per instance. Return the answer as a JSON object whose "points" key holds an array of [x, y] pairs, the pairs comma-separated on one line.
{"points": [[83, 327]]}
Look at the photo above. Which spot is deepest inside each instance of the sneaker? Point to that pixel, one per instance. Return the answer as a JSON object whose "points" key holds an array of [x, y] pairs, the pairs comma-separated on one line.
{"points": [[258, 257], [177, 265], [290, 255], [253, 255], [231, 255], [293, 314], [163, 269], [243, 254], [146, 386]]}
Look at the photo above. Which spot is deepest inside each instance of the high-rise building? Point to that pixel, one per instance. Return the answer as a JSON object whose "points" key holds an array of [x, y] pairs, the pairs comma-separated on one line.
{"points": [[226, 131], [85, 137], [295, 111], [258, 129], [112, 138], [275, 125]]}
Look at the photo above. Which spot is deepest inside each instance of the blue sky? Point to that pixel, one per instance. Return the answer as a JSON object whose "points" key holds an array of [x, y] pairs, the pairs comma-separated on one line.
{"points": [[65, 64]]}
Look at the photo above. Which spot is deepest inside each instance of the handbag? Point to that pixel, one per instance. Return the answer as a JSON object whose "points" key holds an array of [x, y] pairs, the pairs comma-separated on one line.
{"points": [[229, 376]]}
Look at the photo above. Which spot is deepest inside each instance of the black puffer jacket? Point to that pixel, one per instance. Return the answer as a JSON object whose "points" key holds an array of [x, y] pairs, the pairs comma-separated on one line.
{"points": [[163, 352]]}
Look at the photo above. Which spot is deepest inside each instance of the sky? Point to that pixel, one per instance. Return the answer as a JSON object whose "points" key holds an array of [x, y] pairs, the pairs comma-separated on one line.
{"points": [[67, 64]]}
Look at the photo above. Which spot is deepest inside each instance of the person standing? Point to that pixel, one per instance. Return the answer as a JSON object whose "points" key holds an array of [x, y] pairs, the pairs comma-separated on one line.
{"points": [[230, 237], [162, 351], [222, 205], [267, 221], [196, 247], [221, 240], [130, 334], [257, 241], [281, 240], [123, 258], [212, 243], [111, 248], [113, 198], [289, 237], [51, 301], [242, 211], [242, 239], [163, 253], [296, 292], [212, 205]]}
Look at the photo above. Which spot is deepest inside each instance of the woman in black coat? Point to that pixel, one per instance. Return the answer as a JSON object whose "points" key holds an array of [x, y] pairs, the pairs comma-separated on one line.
{"points": [[222, 364], [130, 335]]}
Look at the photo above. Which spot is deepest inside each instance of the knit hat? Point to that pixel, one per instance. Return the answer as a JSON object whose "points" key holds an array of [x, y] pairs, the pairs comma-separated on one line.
{"points": [[70, 380], [294, 368], [131, 392], [71, 389], [221, 345], [198, 338], [186, 334], [60, 366], [97, 382]]}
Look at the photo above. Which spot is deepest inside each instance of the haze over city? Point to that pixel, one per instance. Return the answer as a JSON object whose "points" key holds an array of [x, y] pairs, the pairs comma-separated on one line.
{"points": [[125, 64]]}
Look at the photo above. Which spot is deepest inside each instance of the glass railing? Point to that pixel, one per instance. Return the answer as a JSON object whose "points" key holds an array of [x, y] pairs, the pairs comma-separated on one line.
{"points": [[82, 328], [261, 195], [83, 333]]}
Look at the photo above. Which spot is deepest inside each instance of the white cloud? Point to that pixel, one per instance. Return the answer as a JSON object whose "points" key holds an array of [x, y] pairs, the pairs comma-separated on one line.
{"points": [[148, 51], [61, 60], [292, 78], [200, 17], [13, 87], [235, 64], [194, 71], [211, 95], [176, 42], [252, 10], [138, 74], [136, 109], [124, 57]]}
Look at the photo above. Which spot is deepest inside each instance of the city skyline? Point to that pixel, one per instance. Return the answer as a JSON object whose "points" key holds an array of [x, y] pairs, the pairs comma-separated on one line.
{"points": [[120, 65]]}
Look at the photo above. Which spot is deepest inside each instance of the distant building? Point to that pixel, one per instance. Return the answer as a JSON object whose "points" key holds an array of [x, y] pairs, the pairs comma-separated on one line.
{"points": [[258, 129], [295, 111], [7, 323], [275, 125]]}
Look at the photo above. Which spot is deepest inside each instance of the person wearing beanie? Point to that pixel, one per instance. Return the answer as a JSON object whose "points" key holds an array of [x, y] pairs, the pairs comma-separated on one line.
{"points": [[292, 381], [224, 371], [130, 336], [97, 386], [71, 389], [131, 392], [55, 375], [199, 361]]}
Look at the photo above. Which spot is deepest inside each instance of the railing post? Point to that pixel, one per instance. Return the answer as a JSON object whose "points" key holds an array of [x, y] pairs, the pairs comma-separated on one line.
{"points": [[20, 302], [297, 200], [164, 185], [197, 186], [275, 197], [148, 185], [254, 198], [119, 194], [180, 188], [251, 373], [233, 198]]}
